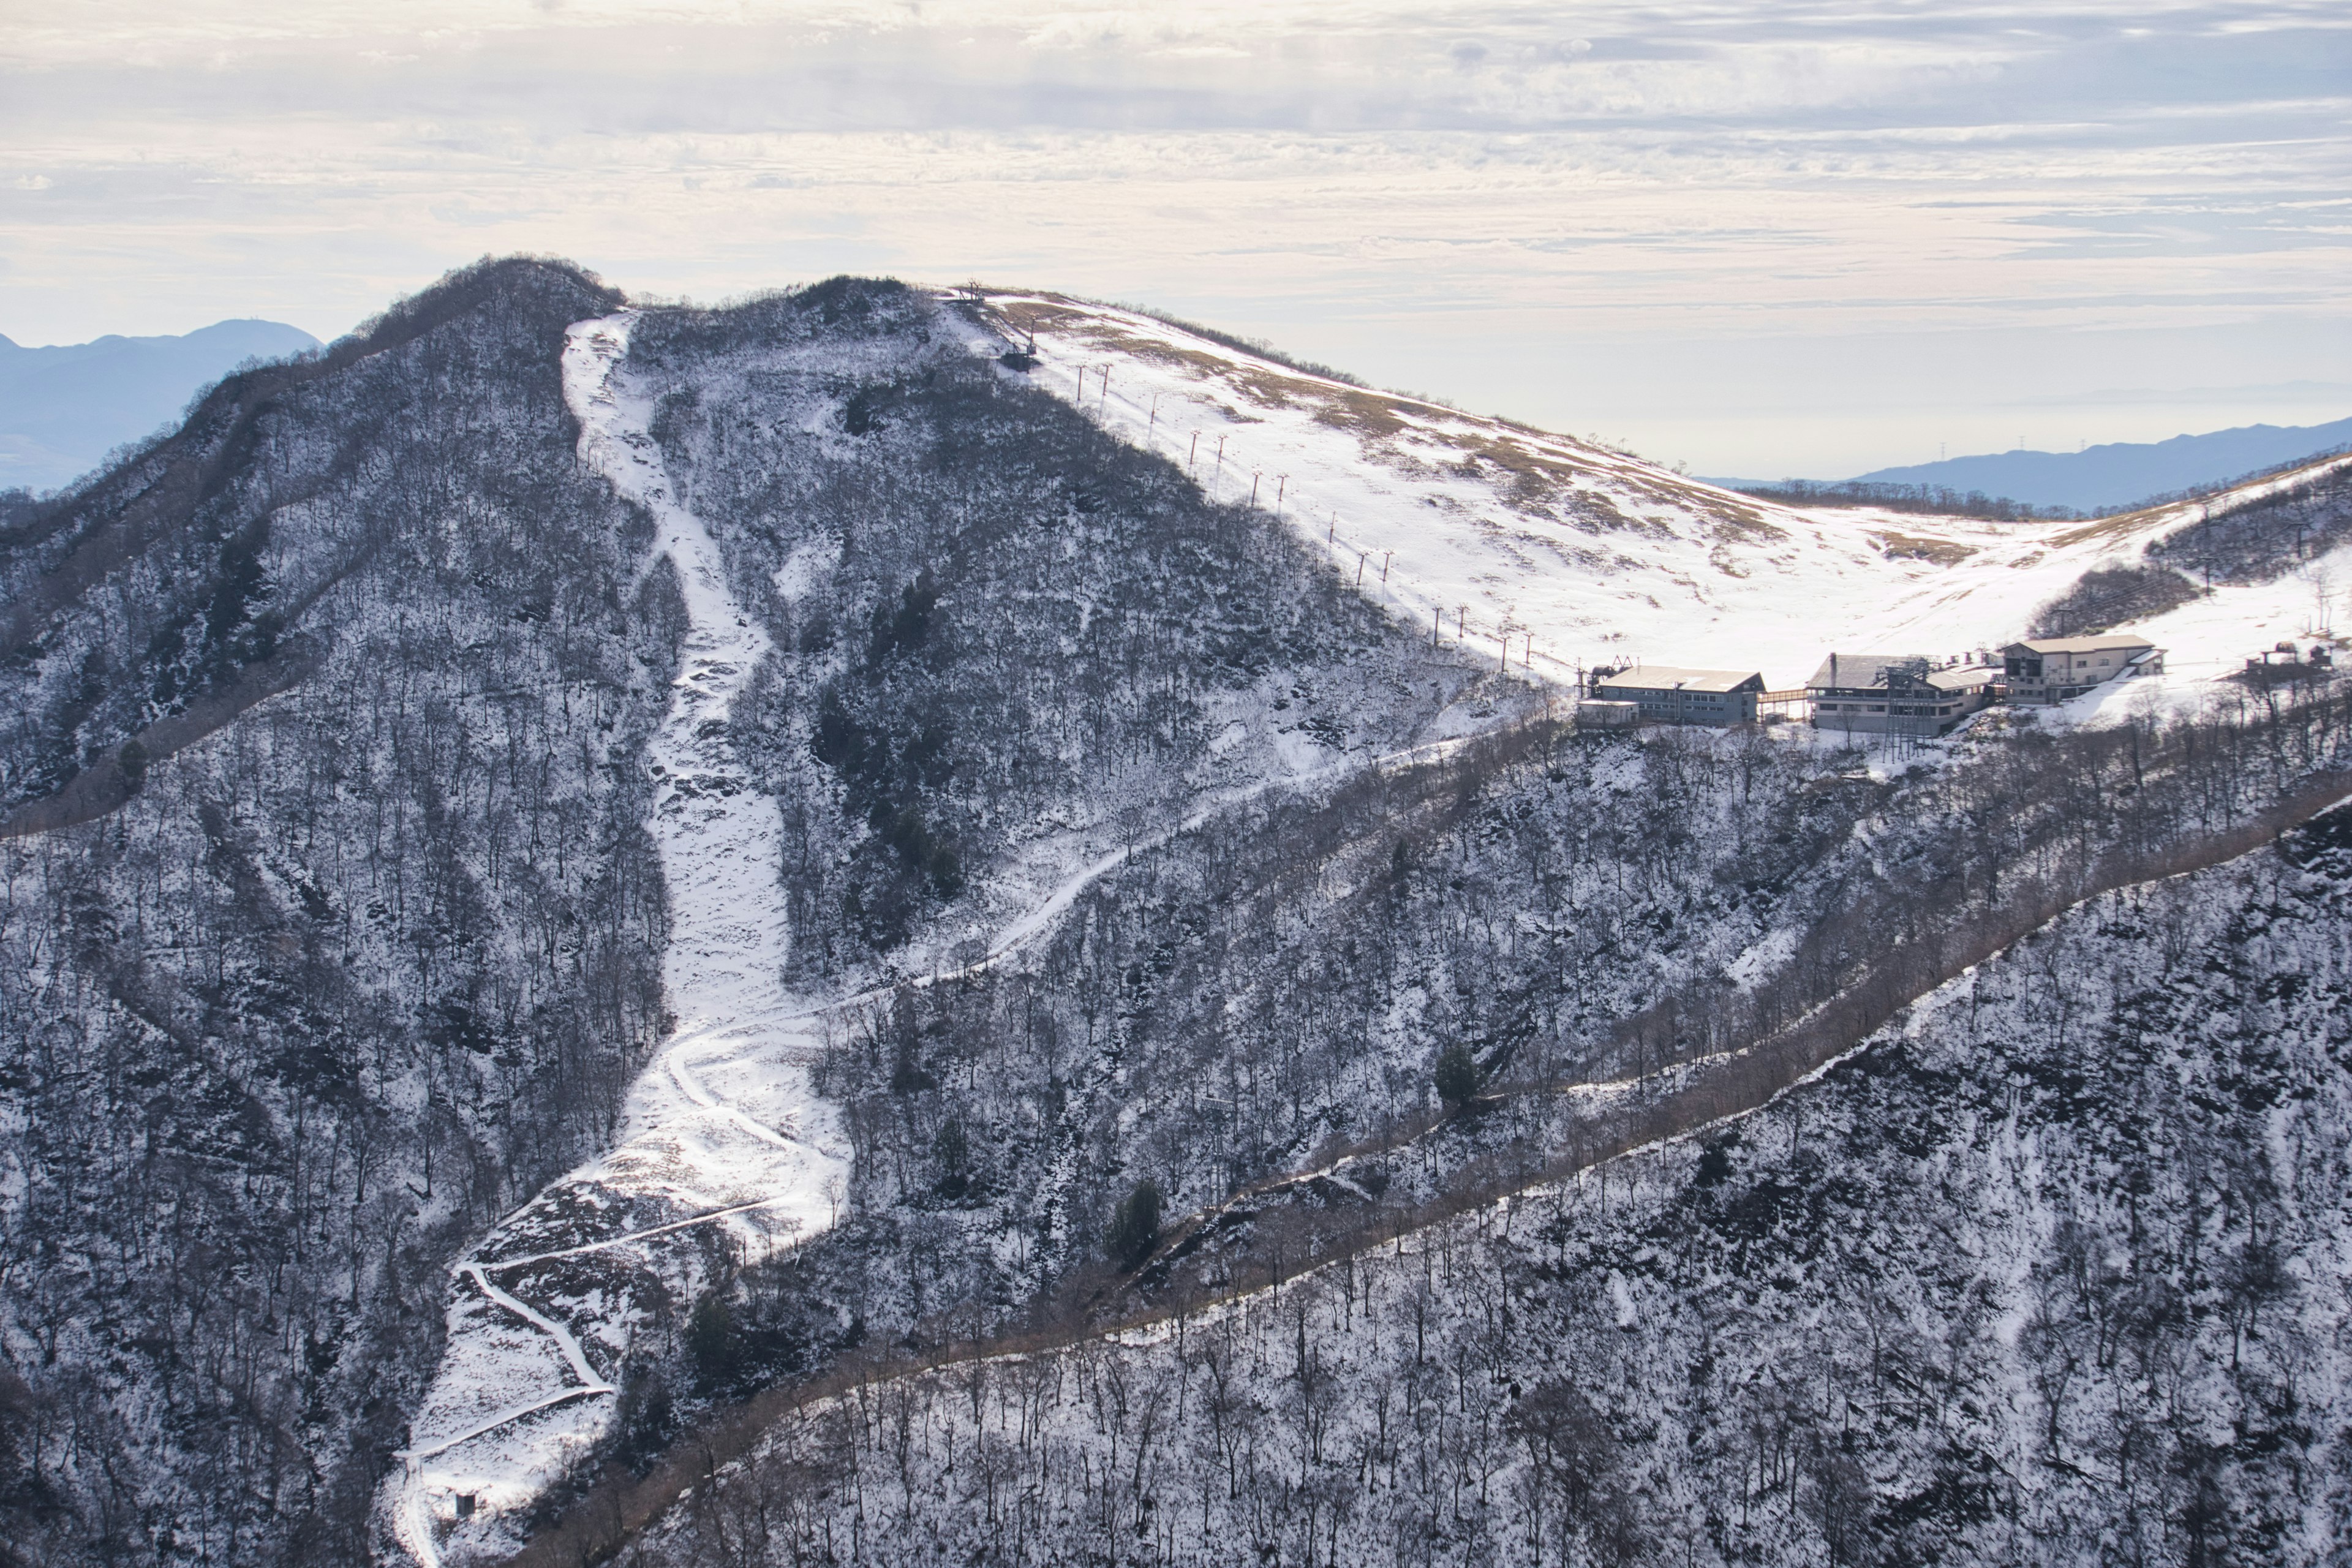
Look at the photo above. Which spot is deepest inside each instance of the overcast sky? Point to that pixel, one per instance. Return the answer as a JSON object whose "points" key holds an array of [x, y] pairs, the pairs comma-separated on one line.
{"points": [[1759, 238]]}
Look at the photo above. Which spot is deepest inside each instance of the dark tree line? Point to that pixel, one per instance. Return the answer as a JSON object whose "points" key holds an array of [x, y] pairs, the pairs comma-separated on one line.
{"points": [[2111, 596], [1934, 501]]}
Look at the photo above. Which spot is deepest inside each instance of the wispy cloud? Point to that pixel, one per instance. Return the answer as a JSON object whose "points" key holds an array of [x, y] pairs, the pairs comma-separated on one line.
{"points": [[1502, 202]]}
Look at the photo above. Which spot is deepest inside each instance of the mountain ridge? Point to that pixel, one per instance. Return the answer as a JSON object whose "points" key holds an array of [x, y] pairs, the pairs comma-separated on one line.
{"points": [[2110, 477], [615, 750], [2125, 474]]}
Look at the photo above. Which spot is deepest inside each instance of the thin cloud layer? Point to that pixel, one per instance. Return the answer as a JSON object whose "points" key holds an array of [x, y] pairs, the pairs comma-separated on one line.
{"points": [[1625, 218]]}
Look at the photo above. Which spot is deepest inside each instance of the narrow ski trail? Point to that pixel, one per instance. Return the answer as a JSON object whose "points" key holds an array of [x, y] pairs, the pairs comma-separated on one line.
{"points": [[723, 1131]]}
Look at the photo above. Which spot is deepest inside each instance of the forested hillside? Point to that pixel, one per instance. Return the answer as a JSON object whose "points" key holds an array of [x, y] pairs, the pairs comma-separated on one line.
{"points": [[1625, 940], [2049, 1270], [309, 995], [333, 928], [742, 935]]}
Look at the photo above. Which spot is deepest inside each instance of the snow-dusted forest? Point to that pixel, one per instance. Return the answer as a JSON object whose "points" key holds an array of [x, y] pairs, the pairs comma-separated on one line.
{"points": [[744, 935], [2052, 1269], [340, 982]]}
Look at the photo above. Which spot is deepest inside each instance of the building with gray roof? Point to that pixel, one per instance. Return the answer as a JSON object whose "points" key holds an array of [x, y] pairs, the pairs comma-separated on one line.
{"points": [[2053, 669], [1668, 694], [1897, 694]]}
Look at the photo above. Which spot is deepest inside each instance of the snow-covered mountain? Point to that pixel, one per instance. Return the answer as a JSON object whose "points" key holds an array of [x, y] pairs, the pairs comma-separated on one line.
{"points": [[1478, 527], [580, 879]]}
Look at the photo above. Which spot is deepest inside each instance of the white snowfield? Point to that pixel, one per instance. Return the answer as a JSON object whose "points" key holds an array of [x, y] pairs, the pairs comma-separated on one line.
{"points": [[723, 1137], [1490, 531]]}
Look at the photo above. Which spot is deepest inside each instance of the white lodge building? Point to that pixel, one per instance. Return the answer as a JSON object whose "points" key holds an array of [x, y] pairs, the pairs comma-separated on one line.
{"points": [[2051, 669]]}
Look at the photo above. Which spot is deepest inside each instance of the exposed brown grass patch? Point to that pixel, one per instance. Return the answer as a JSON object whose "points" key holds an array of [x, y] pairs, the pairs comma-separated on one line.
{"points": [[1510, 456], [1918, 547]]}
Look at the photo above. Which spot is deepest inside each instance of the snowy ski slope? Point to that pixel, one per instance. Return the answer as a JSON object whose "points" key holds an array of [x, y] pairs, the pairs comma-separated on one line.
{"points": [[1582, 554], [723, 1134]]}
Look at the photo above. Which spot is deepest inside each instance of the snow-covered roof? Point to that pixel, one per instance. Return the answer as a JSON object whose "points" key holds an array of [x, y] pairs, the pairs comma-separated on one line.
{"points": [[2107, 643], [1667, 677]]}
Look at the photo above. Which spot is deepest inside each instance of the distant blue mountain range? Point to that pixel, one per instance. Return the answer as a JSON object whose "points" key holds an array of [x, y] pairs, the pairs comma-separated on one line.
{"points": [[2099, 477], [62, 409], [2105, 479]]}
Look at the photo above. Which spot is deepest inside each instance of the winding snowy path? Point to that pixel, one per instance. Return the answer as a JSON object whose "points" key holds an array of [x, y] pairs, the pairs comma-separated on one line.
{"points": [[723, 1131]]}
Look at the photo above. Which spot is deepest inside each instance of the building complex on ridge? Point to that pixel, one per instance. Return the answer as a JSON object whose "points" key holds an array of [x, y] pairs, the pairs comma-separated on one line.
{"points": [[1914, 695]]}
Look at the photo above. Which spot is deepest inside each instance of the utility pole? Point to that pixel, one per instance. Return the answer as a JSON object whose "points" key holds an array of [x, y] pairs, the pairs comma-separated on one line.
{"points": [[1154, 421], [1281, 488], [1386, 555], [1436, 623], [1254, 477], [1194, 454], [1331, 534], [1359, 566]]}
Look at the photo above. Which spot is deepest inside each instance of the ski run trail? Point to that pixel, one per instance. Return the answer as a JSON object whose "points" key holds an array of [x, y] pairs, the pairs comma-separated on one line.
{"points": [[722, 1137]]}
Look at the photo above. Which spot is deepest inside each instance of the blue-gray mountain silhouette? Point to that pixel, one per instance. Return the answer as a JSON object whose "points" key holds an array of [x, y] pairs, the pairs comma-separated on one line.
{"points": [[2120, 473], [64, 408]]}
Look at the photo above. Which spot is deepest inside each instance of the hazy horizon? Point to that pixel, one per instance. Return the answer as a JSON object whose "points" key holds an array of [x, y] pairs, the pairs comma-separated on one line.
{"points": [[1753, 238]]}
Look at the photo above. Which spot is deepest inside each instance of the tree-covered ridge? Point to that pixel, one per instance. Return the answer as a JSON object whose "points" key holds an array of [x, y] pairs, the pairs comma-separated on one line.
{"points": [[340, 981], [2047, 1272]]}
